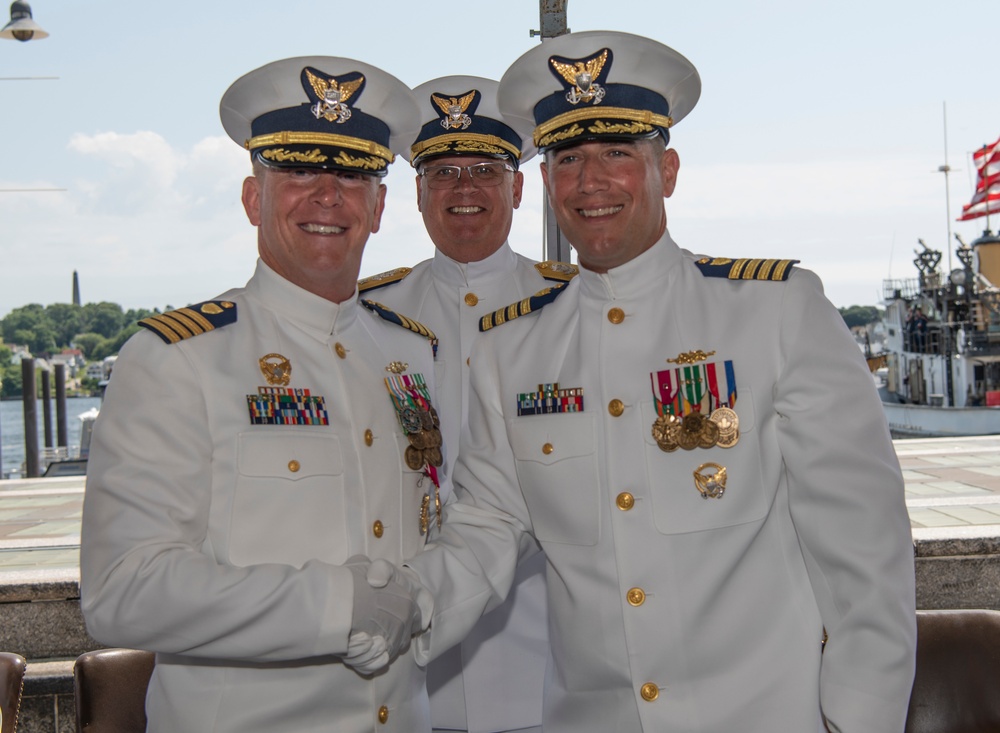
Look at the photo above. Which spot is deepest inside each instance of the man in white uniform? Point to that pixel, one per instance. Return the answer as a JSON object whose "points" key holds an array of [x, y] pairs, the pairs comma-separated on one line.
{"points": [[694, 440], [468, 185], [250, 447]]}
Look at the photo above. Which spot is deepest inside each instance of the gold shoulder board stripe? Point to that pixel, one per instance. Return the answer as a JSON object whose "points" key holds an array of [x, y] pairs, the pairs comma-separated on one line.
{"points": [[769, 270], [555, 270], [183, 323], [521, 307], [383, 278]]}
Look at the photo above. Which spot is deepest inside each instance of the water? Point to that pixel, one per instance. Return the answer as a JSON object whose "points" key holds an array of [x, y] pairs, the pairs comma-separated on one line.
{"points": [[12, 429]]}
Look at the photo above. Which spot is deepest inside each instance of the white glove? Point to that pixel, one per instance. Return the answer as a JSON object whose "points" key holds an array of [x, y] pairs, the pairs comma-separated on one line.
{"points": [[388, 611], [365, 653], [383, 572]]}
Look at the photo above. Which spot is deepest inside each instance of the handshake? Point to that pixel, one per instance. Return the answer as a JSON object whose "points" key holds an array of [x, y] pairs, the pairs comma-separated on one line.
{"points": [[390, 605]]}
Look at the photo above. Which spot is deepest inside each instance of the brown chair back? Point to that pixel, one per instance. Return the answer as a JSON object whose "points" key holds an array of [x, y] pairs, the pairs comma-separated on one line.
{"points": [[957, 684], [12, 668], [110, 687]]}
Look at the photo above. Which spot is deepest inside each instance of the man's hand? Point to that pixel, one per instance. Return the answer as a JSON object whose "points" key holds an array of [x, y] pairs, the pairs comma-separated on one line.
{"points": [[383, 572], [388, 612]]}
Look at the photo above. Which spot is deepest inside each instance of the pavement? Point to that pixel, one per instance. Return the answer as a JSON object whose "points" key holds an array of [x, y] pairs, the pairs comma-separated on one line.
{"points": [[952, 489]]}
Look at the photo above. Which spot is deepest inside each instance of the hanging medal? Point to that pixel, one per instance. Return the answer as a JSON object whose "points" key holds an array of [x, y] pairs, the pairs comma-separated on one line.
{"points": [[421, 426], [694, 404], [722, 387]]}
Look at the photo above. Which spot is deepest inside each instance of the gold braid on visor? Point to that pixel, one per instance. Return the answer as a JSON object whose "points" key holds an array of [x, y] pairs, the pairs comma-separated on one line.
{"points": [[593, 113], [319, 138], [417, 148]]}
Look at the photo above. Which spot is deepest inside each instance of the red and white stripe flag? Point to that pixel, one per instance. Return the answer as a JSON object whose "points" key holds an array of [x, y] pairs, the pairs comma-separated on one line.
{"points": [[986, 155], [983, 203]]}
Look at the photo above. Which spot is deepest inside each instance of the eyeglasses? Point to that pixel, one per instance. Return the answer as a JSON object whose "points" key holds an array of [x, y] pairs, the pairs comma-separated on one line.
{"points": [[482, 175]]}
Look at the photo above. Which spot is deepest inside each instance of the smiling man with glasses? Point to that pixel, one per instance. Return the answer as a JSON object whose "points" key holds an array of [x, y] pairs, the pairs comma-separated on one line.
{"points": [[468, 185]]}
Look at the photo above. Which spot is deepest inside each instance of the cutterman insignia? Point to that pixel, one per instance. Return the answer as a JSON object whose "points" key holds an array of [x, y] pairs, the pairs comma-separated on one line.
{"points": [[746, 269], [521, 307], [183, 323], [401, 320], [382, 279], [555, 270]]}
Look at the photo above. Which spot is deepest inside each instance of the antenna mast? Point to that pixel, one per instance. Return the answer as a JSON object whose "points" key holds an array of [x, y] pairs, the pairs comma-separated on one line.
{"points": [[946, 169]]}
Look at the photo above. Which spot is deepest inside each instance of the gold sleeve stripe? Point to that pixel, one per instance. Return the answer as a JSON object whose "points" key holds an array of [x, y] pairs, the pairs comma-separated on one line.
{"points": [[765, 270]]}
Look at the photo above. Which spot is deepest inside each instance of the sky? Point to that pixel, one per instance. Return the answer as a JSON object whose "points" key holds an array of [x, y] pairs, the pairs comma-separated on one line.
{"points": [[819, 133]]}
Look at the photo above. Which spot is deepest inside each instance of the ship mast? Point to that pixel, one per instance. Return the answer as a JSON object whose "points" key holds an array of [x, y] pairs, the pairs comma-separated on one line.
{"points": [[946, 169]]}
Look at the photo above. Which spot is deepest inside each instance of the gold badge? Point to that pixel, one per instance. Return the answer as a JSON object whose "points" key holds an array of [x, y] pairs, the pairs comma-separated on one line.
{"points": [[332, 95], [710, 480], [397, 367], [454, 110], [277, 370], [691, 357], [582, 75]]}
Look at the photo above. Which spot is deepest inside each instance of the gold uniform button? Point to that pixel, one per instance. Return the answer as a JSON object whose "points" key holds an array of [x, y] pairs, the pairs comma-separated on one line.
{"points": [[369, 438], [378, 529], [616, 315], [294, 466], [649, 692], [548, 448], [636, 596], [471, 299], [383, 715], [616, 408], [625, 501], [341, 351]]}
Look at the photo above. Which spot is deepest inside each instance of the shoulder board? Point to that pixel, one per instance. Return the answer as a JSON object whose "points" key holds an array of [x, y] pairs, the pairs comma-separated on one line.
{"points": [[745, 269], [382, 279], [183, 323], [555, 270], [521, 307], [401, 320]]}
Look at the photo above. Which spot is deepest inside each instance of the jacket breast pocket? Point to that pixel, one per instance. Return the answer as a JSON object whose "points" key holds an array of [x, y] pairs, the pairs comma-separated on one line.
{"points": [[556, 465], [288, 506], [678, 506]]}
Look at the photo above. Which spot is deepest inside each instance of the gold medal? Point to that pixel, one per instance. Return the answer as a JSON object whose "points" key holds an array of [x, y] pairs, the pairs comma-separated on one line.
{"points": [[419, 440], [728, 441], [665, 431], [414, 458], [729, 426], [709, 434], [433, 456], [710, 480]]}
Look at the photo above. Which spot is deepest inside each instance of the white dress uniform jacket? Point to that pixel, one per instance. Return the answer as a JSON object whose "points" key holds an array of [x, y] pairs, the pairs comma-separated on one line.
{"points": [[493, 680], [670, 611], [219, 543]]}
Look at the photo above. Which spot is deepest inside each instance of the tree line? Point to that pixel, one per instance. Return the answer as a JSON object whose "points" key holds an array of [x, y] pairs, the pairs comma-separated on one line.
{"points": [[96, 329], [100, 329]]}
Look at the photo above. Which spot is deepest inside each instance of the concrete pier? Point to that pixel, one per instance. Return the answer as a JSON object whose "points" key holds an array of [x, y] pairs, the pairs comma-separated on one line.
{"points": [[952, 494]]}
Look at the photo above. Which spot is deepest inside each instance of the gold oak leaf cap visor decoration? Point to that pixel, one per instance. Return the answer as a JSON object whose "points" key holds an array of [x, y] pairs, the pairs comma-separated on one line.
{"points": [[597, 85], [321, 112]]}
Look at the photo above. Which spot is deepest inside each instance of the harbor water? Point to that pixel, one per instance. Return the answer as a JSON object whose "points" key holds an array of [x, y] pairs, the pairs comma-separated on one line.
{"points": [[12, 429]]}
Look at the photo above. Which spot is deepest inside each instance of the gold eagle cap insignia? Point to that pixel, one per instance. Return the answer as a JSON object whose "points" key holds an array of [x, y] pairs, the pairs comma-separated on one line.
{"points": [[454, 110], [332, 96], [582, 75]]}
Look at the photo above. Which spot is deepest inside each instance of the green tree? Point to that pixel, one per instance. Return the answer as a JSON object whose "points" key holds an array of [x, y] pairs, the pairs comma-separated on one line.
{"points": [[104, 318], [860, 315], [30, 326], [91, 344], [66, 319]]}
